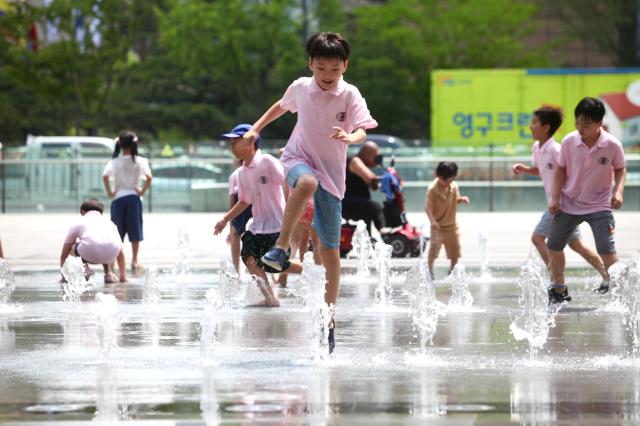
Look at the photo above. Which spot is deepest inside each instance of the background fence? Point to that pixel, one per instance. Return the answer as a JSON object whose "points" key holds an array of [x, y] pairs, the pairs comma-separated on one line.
{"points": [[200, 184]]}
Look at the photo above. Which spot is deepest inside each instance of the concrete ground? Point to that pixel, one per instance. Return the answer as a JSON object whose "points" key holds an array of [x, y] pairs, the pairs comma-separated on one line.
{"points": [[33, 241]]}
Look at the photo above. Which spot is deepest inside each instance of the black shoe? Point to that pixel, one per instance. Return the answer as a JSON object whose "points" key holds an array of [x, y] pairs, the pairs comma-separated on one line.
{"points": [[276, 257], [603, 289], [555, 297], [332, 340]]}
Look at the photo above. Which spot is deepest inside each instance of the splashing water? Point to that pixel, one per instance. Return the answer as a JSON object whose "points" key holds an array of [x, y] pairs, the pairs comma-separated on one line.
{"points": [[75, 282], [460, 294], [232, 291], [7, 282], [312, 281], [383, 267], [209, 323], [535, 318], [151, 296], [626, 290], [362, 248], [183, 254], [209, 399], [425, 308], [106, 311], [484, 255]]}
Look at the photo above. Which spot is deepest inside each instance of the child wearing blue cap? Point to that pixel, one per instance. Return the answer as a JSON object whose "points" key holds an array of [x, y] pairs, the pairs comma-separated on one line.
{"points": [[260, 182]]}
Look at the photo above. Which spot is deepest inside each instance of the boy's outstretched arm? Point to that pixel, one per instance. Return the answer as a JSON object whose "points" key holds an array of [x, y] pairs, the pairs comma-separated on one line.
{"points": [[230, 215], [66, 250], [528, 170], [355, 138], [619, 178], [272, 114]]}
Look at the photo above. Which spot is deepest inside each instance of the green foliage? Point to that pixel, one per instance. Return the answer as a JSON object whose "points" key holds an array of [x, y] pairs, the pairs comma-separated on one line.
{"points": [[195, 68], [418, 36], [611, 27]]}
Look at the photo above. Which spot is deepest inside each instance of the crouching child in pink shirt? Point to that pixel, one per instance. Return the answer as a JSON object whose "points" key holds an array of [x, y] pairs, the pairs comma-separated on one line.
{"points": [[259, 182], [95, 239]]}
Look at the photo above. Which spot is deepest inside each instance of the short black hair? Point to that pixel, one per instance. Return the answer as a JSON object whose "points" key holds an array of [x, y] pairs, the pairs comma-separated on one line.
{"points": [[447, 169], [590, 108], [91, 204], [328, 45], [551, 116]]}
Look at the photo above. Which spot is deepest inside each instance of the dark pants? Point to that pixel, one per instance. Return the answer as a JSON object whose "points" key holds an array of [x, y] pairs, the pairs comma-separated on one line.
{"points": [[363, 209]]}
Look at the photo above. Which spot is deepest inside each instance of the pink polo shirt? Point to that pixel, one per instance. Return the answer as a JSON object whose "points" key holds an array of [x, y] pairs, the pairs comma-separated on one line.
{"points": [[233, 182], [545, 159], [588, 184], [260, 184], [318, 112], [97, 237]]}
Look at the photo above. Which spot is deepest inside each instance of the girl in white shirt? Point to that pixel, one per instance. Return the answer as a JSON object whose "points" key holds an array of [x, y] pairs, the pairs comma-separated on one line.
{"points": [[128, 169]]}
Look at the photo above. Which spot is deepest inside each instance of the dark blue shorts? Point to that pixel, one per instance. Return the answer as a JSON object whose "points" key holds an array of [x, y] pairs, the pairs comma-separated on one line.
{"points": [[126, 213], [239, 222]]}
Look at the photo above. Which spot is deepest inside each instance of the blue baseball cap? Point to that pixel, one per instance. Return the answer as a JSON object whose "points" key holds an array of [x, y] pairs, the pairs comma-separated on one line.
{"points": [[239, 131]]}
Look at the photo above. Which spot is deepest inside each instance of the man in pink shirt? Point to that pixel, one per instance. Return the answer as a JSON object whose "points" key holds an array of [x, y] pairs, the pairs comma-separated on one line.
{"points": [[95, 239], [544, 162], [259, 181], [583, 192], [331, 115]]}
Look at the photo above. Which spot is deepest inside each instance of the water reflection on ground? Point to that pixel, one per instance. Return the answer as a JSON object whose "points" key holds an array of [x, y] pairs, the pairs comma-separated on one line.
{"points": [[262, 367]]}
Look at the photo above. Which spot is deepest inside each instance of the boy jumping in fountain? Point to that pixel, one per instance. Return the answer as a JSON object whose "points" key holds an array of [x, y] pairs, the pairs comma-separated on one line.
{"points": [[331, 115], [259, 183], [583, 192], [544, 159]]}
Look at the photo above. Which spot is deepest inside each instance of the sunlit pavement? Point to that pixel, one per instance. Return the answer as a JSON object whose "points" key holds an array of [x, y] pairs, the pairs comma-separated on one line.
{"points": [[263, 368]]}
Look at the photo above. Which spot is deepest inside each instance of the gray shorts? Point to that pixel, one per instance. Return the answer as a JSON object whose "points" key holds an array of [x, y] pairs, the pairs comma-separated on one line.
{"points": [[544, 227], [602, 225]]}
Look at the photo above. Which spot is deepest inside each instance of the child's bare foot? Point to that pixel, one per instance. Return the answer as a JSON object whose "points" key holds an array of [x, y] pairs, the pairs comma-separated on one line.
{"points": [[110, 278], [88, 272], [282, 280], [137, 270]]}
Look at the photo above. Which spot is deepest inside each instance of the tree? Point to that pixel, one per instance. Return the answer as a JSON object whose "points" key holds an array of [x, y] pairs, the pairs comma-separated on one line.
{"points": [[612, 26], [245, 53], [397, 44]]}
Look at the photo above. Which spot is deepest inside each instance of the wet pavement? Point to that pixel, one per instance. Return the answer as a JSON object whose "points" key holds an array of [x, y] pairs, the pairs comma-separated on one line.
{"points": [[56, 369]]}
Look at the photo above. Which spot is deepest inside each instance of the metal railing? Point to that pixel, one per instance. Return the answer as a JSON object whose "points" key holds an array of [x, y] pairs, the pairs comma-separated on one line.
{"points": [[200, 184]]}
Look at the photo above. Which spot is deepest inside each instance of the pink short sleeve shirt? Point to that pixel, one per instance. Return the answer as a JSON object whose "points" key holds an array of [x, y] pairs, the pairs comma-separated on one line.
{"points": [[545, 159], [97, 238], [318, 112], [233, 182], [260, 184], [588, 184]]}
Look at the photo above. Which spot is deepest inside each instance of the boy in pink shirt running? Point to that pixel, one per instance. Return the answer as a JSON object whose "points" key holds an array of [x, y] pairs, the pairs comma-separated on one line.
{"points": [[544, 161], [331, 115], [583, 192], [259, 181]]}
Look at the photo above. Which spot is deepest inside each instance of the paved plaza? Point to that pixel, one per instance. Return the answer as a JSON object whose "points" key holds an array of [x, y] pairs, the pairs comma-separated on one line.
{"points": [[33, 241]]}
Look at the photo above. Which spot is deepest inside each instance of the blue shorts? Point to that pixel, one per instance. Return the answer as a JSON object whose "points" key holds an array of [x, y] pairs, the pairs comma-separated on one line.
{"points": [[544, 227], [239, 222], [126, 213], [602, 225], [327, 217]]}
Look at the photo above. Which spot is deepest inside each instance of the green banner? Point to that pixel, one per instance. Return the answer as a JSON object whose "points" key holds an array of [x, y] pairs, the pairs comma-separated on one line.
{"points": [[475, 108]]}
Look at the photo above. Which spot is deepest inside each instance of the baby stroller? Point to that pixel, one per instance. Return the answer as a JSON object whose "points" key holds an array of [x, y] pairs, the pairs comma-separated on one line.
{"points": [[403, 238]]}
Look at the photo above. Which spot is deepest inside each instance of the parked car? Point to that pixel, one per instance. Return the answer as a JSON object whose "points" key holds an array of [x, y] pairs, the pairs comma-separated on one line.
{"points": [[44, 147], [173, 181], [387, 141]]}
